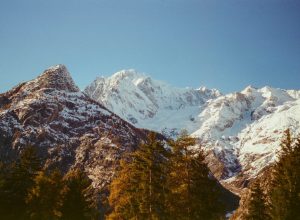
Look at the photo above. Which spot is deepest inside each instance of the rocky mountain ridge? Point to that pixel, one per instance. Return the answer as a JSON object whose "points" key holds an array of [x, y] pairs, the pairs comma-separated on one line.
{"points": [[240, 131], [69, 128]]}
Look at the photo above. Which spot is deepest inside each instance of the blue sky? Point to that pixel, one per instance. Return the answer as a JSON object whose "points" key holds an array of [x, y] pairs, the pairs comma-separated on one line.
{"points": [[221, 44]]}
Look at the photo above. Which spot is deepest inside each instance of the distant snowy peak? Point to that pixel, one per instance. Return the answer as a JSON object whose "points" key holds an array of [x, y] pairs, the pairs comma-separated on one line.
{"points": [[228, 114], [241, 131], [130, 74], [135, 96], [244, 129], [210, 93]]}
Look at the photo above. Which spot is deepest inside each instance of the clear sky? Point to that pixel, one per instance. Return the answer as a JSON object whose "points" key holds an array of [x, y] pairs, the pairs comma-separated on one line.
{"points": [[223, 44]]}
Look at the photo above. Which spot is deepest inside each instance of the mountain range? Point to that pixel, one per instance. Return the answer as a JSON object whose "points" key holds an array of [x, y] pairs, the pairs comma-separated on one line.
{"points": [[94, 128], [240, 131]]}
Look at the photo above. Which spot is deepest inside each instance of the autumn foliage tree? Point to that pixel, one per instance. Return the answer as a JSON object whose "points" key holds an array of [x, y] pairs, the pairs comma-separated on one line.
{"points": [[257, 207], [165, 182], [138, 191], [285, 188], [194, 193]]}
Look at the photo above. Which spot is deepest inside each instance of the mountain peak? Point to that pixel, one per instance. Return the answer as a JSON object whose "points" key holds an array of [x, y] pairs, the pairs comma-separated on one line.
{"points": [[249, 89], [210, 92], [57, 77], [128, 75], [126, 72], [57, 67]]}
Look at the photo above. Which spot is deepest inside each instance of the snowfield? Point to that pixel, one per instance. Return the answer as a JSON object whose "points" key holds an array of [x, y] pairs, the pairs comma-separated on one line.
{"points": [[242, 129]]}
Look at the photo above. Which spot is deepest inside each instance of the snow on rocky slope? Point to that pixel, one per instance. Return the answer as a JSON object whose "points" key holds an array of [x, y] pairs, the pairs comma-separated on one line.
{"points": [[69, 128], [148, 103], [241, 131]]}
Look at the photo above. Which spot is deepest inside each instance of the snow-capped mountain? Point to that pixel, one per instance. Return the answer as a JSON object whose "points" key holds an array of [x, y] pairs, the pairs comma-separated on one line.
{"points": [[149, 103], [69, 128], [241, 131], [245, 129]]}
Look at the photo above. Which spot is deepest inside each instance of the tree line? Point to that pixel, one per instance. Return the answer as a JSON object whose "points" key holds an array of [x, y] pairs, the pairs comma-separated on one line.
{"points": [[156, 182]]}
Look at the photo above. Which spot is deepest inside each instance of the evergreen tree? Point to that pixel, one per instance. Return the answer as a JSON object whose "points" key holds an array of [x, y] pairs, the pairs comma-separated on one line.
{"points": [[123, 190], [257, 207], [75, 204], [194, 192], [27, 192], [294, 208], [45, 198], [18, 180], [285, 187], [138, 191], [5, 190]]}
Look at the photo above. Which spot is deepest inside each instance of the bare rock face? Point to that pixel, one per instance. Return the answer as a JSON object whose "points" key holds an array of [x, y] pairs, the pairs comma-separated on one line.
{"points": [[69, 128], [57, 77]]}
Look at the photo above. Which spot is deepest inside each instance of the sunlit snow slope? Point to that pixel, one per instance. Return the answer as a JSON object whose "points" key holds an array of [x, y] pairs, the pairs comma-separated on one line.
{"points": [[240, 131], [149, 103]]}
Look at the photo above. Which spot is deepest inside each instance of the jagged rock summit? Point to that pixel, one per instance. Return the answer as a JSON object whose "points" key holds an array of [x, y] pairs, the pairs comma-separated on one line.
{"points": [[56, 77], [69, 128]]}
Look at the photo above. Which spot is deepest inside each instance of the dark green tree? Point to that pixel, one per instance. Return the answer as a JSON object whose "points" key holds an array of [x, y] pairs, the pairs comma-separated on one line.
{"points": [[76, 204], [5, 190], [28, 192], [18, 180], [44, 200]]}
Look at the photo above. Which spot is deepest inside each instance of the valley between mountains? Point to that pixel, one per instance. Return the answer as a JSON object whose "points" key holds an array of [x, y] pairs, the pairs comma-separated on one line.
{"points": [[93, 129]]}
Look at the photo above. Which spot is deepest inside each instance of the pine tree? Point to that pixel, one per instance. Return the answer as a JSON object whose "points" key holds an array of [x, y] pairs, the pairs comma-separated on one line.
{"points": [[27, 192], [285, 187], [45, 198], [19, 179], [194, 193], [138, 191], [294, 208], [257, 207], [5, 189], [123, 190], [75, 204]]}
